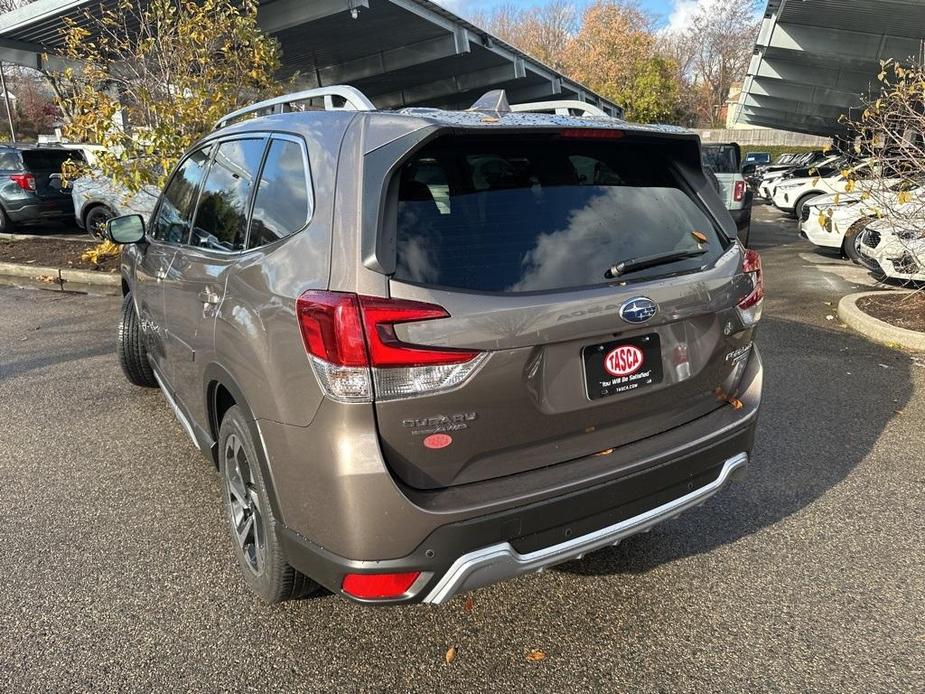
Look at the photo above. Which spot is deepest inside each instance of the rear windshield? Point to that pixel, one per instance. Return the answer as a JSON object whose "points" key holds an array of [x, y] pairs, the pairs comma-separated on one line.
{"points": [[722, 159], [542, 213], [48, 160]]}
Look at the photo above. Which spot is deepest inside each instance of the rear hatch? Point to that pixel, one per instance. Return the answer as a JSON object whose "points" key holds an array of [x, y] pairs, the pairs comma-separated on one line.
{"points": [[519, 239], [45, 165]]}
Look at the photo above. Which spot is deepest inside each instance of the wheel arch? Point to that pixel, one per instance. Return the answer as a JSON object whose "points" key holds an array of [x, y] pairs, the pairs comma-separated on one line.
{"points": [[91, 205], [222, 393]]}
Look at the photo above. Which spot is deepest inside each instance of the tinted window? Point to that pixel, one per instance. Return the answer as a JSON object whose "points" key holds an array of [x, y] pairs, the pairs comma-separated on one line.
{"points": [[542, 213], [175, 211], [282, 203], [221, 218], [10, 160], [49, 160]]}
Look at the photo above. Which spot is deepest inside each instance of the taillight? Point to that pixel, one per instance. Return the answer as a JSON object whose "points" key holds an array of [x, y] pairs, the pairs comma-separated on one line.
{"points": [[352, 344], [750, 307], [378, 586], [738, 193], [25, 181]]}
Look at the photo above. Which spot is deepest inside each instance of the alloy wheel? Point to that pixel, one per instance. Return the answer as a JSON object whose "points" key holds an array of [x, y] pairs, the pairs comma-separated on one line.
{"points": [[245, 514]]}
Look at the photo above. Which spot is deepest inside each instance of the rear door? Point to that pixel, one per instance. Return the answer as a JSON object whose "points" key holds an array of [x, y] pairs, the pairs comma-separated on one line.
{"points": [[169, 227], [516, 239]]}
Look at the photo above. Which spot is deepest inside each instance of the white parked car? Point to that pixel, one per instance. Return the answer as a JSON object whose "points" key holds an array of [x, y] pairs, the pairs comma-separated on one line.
{"points": [[895, 248], [793, 194], [837, 221], [97, 200], [774, 177]]}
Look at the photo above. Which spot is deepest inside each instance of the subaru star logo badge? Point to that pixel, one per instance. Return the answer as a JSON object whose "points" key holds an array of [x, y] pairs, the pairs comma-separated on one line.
{"points": [[638, 310]]}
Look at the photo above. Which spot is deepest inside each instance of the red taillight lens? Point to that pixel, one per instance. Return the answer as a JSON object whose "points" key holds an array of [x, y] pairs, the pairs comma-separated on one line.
{"points": [[738, 192], [386, 350], [378, 586], [25, 181], [752, 265], [331, 327], [591, 134], [350, 330]]}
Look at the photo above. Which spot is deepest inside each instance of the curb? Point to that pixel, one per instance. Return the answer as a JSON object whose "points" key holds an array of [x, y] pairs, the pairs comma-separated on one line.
{"points": [[875, 329], [61, 276], [32, 237]]}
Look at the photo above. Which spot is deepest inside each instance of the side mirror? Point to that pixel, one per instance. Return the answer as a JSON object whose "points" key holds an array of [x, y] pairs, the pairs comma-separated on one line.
{"points": [[129, 228], [749, 169]]}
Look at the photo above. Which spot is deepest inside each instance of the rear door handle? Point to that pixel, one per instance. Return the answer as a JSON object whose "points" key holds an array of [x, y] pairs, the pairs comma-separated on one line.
{"points": [[207, 296]]}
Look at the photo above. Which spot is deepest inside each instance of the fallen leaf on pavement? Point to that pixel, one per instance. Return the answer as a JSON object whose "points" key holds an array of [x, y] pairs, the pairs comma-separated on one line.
{"points": [[535, 655], [469, 604], [450, 655]]}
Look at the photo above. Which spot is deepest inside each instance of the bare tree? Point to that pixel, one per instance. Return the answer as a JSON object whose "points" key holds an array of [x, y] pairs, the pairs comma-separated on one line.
{"points": [[542, 31], [712, 54]]}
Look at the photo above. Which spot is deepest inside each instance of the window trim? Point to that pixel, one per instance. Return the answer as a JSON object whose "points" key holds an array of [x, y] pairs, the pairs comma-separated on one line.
{"points": [[149, 236], [309, 189], [218, 142]]}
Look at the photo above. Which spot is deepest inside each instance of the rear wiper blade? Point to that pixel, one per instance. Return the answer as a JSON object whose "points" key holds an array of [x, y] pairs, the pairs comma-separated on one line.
{"points": [[633, 264]]}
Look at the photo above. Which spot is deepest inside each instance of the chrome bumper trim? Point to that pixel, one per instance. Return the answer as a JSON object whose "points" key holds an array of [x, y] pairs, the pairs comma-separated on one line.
{"points": [[501, 561]]}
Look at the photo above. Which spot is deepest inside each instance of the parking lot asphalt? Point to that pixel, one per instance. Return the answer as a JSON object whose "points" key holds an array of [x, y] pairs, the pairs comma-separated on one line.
{"points": [[807, 576]]}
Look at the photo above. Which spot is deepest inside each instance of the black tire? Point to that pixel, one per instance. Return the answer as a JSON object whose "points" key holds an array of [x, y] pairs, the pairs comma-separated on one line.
{"points": [[745, 234], [249, 516], [6, 224], [852, 239], [133, 356], [95, 221], [798, 208]]}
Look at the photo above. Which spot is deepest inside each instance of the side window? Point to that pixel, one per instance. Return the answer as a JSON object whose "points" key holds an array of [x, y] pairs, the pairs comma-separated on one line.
{"points": [[175, 212], [282, 205], [221, 218], [10, 160]]}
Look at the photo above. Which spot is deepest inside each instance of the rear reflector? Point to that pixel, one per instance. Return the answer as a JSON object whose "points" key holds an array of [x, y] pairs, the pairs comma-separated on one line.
{"points": [[25, 181], [591, 134], [378, 586], [352, 344]]}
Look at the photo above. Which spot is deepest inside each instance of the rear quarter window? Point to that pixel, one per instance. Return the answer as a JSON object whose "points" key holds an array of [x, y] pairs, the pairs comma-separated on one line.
{"points": [[543, 213]]}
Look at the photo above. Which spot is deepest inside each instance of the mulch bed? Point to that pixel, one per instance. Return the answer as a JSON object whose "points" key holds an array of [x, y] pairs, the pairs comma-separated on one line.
{"points": [[901, 310], [57, 253]]}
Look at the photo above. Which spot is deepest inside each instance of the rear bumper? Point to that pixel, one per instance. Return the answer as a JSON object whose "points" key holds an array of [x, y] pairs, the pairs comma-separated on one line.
{"points": [[502, 561], [35, 211], [457, 552]]}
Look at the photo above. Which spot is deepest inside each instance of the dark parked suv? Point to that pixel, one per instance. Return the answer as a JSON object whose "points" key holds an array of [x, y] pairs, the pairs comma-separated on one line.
{"points": [[31, 190], [431, 350]]}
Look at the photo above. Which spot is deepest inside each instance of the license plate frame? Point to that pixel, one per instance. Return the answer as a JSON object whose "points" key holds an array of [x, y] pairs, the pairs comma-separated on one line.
{"points": [[601, 383]]}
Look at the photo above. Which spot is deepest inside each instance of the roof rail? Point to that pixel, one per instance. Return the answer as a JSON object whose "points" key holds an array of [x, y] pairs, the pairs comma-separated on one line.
{"points": [[354, 100], [561, 108]]}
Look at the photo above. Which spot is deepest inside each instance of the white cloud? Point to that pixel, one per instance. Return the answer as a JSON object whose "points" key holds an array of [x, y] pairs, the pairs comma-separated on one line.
{"points": [[684, 11]]}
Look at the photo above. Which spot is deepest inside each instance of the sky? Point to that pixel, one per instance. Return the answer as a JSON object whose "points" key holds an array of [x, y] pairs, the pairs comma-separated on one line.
{"points": [[673, 14]]}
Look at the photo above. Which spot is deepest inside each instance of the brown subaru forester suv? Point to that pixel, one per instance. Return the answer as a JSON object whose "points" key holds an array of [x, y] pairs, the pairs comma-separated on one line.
{"points": [[430, 350]]}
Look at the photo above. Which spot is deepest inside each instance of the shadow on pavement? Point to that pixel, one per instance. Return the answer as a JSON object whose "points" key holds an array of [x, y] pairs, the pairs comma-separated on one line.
{"points": [[827, 398]]}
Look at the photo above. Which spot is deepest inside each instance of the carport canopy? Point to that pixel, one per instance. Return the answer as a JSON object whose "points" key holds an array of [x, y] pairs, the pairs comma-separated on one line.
{"points": [[398, 52], [815, 59]]}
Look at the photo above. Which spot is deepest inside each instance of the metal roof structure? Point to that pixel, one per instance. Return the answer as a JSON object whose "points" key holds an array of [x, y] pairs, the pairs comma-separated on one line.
{"points": [[814, 59], [398, 52]]}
